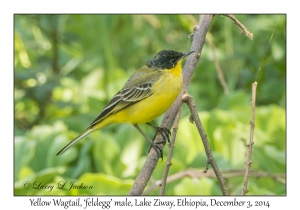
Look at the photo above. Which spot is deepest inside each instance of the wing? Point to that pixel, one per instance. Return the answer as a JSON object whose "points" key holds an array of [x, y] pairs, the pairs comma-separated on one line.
{"points": [[138, 87]]}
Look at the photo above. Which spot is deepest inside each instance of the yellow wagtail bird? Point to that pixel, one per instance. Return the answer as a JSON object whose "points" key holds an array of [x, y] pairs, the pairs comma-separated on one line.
{"points": [[147, 94]]}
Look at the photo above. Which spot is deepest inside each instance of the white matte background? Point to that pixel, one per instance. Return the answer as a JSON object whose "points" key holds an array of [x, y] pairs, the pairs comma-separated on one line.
{"points": [[9, 8]]}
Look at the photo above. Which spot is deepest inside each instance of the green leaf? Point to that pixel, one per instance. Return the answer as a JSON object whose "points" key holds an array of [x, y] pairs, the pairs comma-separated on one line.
{"points": [[194, 186], [103, 184], [24, 152], [105, 151]]}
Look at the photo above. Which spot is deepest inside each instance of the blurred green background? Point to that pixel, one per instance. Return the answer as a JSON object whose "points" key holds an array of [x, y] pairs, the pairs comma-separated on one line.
{"points": [[67, 67]]}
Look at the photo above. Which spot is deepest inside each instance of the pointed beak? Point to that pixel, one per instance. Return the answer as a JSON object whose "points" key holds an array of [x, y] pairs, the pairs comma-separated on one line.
{"points": [[186, 54]]}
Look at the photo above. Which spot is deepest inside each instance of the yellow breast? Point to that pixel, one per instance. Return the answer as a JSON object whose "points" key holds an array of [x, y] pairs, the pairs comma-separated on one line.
{"points": [[166, 90]]}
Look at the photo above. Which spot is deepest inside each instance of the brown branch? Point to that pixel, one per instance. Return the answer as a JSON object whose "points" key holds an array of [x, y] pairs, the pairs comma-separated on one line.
{"points": [[170, 153], [249, 153], [244, 29], [152, 159], [210, 158], [227, 174]]}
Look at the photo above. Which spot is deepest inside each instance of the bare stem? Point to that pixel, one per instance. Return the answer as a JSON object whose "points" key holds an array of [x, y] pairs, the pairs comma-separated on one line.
{"points": [[170, 153], [227, 174], [210, 158], [251, 142], [239, 24], [217, 64]]}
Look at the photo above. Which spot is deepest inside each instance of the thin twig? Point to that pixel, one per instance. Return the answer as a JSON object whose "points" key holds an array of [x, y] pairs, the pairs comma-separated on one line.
{"points": [[169, 118], [217, 64], [244, 29], [170, 153], [249, 154], [227, 174], [210, 158]]}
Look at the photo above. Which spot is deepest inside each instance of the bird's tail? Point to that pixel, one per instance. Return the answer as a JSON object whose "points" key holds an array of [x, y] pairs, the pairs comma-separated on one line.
{"points": [[86, 132]]}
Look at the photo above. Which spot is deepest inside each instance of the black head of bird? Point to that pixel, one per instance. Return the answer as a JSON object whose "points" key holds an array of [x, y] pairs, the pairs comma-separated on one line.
{"points": [[166, 59]]}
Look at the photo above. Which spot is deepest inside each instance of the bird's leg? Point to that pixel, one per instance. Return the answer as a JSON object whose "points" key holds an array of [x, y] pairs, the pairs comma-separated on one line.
{"points": [[154, 145], [163, 130]]}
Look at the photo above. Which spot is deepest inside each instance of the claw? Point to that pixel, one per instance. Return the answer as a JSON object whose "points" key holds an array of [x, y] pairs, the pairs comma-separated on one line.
{"points": [[165, 132], [157, 148]]}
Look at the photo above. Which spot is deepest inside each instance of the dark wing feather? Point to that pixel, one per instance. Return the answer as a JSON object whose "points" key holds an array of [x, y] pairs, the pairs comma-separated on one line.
{"points": [[125, 98]]}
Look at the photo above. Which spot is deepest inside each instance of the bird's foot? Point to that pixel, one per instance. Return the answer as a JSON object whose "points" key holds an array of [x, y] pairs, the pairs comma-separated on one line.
{"points": [[165, 132]]}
